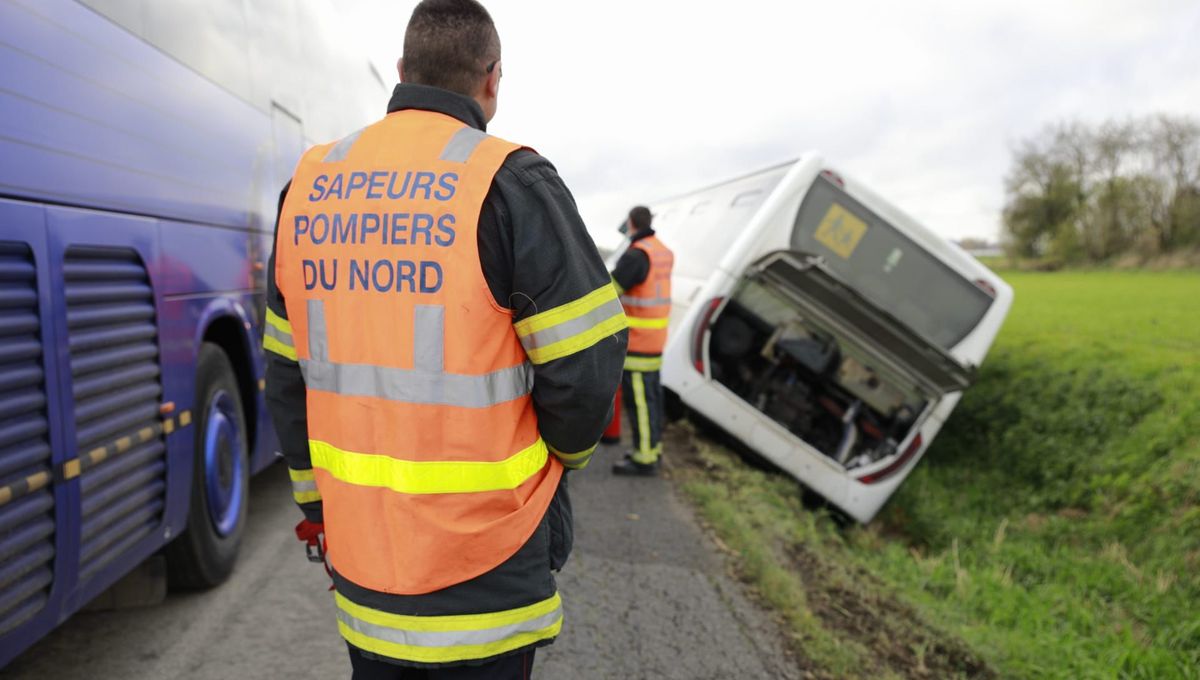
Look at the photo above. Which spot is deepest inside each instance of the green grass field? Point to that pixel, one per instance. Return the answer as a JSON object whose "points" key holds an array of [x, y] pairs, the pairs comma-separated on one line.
{"points": [[1053, 528]]}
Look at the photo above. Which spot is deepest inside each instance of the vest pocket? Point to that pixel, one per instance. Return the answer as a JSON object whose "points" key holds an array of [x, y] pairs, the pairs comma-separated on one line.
{"points": [[562, 528]]}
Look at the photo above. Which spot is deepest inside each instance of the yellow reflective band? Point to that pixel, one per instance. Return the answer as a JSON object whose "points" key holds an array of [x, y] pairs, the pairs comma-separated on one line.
{"points": [[279, 322], [448, 624], [432, 639], [304, 486], [301, 475], [617, 286], [634, 363], [647, 458], [580, 342], [567, 312], [643, 416], [642, 322], [575, 461], [303, 497], [274, 345], [428, 477]]}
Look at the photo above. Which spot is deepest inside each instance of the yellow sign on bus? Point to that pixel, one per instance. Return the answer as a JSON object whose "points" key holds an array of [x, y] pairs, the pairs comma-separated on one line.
{"points": [[840, 231]]}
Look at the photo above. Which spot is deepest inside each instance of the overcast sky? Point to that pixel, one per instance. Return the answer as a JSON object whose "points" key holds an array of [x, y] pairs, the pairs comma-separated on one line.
{"points": [[637, 100]]}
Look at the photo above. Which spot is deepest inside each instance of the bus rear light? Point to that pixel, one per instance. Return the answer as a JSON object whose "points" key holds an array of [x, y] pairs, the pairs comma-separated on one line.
{"points": [[701, 328], [900, 461], [986, 287], [833, 177]]}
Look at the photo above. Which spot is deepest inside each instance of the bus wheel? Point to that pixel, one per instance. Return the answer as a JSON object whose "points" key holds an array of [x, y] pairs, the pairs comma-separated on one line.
{"points": [[204, 553]]}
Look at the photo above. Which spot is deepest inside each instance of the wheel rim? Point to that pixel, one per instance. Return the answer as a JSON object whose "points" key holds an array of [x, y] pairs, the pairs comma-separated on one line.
{"points": [[224, 466]]}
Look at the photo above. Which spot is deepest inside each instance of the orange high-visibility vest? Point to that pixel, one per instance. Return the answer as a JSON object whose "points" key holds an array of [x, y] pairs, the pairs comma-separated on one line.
{"points": [[424, 442], [648, 304]]}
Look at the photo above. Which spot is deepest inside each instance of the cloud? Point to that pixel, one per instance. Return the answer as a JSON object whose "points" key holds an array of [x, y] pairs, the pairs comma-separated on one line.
{"points": [[635, 101]]}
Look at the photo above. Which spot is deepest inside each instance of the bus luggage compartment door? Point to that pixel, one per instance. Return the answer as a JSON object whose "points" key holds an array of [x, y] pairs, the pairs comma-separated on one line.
{"points": [[34, 500]]}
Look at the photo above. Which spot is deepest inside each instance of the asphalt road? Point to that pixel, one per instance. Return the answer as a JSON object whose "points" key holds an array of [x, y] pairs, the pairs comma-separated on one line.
{"points": [[647, 596]]}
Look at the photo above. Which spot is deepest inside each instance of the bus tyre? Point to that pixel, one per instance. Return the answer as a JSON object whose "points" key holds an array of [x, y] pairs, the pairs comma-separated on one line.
{"points": [[204, 554]]}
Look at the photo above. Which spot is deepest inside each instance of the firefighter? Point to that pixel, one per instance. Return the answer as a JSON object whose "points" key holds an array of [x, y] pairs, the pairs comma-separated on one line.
{"points": [[643, 278], [443, 341]]}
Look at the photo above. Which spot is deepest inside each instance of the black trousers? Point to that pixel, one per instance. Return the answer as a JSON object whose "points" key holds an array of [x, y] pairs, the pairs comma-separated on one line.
{"points": [[643, 396], [512, 667]]}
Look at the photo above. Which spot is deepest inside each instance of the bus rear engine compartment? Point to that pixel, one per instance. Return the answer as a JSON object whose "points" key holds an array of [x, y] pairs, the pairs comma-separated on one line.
{"points": [[821, 387]]}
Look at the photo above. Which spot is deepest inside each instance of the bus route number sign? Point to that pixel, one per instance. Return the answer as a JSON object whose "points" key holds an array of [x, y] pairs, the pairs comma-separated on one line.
{"points": [[840, 231]]}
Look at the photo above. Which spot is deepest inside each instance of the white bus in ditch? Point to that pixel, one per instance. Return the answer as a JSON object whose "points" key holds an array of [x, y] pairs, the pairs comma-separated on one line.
{"points": [[821, 326]]}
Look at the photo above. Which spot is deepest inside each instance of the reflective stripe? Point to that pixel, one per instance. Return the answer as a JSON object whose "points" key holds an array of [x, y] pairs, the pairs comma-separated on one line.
{"points": [[654, 323], [563, 313], [273, 344], [644, 302], [318, 331], [568, 329], [419, 387], [573, 327], [643, 415], [575, 461], [429, 337], [462, 145], [304, 486], [649, 457], [442, 639], [636, 363], [428, 477], [277, 336], [339, 150], [279, 323], [415, 386], [578, 343]]}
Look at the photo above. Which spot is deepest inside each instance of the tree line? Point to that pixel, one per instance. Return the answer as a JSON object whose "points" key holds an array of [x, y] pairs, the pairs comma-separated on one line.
{"points": [[1079, 193]]}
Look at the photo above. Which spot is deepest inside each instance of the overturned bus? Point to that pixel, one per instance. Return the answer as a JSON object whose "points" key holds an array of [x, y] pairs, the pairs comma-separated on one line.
{"points": [[821, 326]]}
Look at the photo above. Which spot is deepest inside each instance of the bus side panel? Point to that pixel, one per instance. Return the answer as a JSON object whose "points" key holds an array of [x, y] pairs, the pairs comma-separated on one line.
{"points": [[117, 423], [209, 275], [48, 574], [92, 115]]}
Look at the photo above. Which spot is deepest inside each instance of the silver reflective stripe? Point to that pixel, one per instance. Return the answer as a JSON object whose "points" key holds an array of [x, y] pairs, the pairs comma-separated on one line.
{"points": [[462, 145], [339, 150], [285, 338], [415, 386], [318, 337], [429, 337], [454, 638], [569, 329], [301, 487], [644, 302]]}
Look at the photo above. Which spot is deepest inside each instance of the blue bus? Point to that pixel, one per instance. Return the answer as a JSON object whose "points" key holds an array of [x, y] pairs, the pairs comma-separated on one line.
{"points": [[143, 145]]}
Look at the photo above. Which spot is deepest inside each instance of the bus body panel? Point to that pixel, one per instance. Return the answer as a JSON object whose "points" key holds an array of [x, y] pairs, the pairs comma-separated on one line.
{"points": [[103, 120], [124, 153]]}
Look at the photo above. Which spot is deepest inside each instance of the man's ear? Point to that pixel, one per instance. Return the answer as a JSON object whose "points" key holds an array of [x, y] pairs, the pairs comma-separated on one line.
{"points": [[492, 86], [400, 68]]}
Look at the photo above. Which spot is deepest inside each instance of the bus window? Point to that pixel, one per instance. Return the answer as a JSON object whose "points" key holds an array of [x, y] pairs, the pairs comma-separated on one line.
{"points": [[888, 268]]}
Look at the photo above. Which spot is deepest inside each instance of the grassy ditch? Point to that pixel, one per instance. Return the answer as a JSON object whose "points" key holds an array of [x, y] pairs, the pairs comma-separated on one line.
{"points": [[1053, 529]]}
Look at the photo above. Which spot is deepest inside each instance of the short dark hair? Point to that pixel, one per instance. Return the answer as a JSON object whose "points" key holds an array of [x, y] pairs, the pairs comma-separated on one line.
{"points": [[450, 44], [640, 216]]}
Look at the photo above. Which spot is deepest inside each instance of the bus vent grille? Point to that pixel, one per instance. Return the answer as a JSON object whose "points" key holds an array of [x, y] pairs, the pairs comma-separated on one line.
{"points": [[113, 343], [26, 491]]}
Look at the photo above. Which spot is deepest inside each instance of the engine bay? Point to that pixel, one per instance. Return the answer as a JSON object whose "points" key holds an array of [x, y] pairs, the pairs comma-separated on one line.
{"points": [[823, 388]]}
